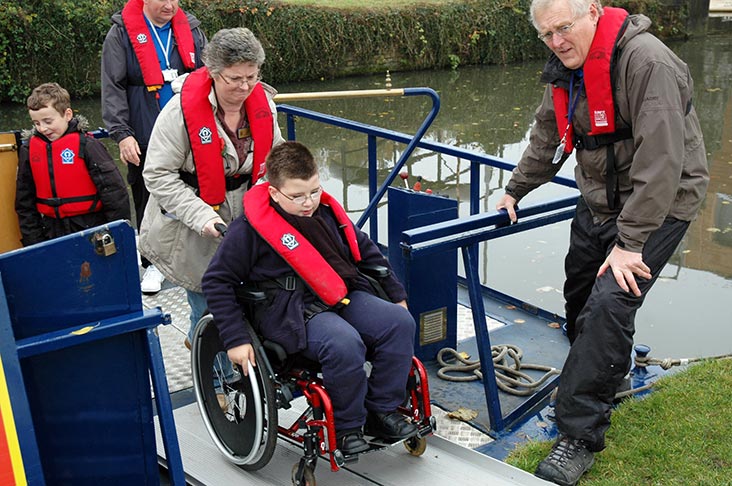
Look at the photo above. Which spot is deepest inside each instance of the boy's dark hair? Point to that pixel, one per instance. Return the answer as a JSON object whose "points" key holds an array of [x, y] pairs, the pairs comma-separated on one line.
{"points": [[290, 160], [49, 94]]}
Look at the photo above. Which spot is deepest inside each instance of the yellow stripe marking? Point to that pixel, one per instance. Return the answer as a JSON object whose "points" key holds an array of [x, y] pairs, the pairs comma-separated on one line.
{"points": [[6, 413]]}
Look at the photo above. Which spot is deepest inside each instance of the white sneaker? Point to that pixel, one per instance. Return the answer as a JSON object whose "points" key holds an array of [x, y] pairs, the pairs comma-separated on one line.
{"points": [[152, 280]]}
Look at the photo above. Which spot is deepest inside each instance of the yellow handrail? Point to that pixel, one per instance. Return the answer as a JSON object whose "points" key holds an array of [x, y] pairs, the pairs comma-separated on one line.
{"points": [[330, 95]]}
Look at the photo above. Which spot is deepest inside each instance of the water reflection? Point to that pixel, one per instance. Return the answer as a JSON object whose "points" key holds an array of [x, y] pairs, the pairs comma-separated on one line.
{"points": [[490, 110]]}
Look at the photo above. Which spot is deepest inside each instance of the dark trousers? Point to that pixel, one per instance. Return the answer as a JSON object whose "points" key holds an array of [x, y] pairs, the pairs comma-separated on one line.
{"points": [[140, 194], [601, 322], [367, 329]]}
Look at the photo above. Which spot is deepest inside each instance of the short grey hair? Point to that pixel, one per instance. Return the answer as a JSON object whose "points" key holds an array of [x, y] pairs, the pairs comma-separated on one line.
{"points": [[577, 7], [232, 46]]}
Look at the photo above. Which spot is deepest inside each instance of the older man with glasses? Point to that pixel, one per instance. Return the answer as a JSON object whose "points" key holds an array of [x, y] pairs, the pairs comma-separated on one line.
{"points": [[623, 101]]}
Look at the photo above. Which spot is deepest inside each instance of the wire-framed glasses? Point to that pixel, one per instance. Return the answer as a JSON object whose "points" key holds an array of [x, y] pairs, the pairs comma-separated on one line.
{"points": [[560, 32], [240, 81], [301, 200]]}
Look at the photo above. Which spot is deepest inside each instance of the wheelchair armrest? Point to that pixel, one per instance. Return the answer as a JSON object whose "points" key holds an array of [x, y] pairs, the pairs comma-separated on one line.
{"points": [[249, 295], [373, 270]]}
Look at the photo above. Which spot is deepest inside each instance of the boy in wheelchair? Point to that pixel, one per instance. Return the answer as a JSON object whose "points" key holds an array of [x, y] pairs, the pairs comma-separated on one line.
{"points": [[296, 243]]}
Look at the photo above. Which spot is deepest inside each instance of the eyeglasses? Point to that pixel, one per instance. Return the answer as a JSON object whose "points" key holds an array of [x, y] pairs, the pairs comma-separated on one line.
{"points": [[560, 32], [301, 200], [240, 81]]}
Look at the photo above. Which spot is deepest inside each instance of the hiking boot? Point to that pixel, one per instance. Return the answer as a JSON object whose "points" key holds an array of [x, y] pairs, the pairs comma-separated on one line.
{"points": [[351, 442], [391, 426], [152, 280], [568, 460]]}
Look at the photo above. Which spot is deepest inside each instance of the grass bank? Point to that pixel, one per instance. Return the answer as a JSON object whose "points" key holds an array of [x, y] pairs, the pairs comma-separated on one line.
{"points": [[679, 435]]}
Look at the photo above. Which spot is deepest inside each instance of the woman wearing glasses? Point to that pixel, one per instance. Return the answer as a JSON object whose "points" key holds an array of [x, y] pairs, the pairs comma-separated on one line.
{"points": [[622, 99], [207, 148], [298, 246]]}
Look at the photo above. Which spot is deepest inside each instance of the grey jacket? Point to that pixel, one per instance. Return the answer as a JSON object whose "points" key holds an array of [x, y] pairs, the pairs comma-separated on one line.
{"points": [[662, 169], [170, 235]]}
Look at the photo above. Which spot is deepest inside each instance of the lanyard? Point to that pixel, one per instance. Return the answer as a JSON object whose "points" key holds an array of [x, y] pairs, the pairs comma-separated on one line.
{"points": [[166, 47], [559, 154], [573, 103]]}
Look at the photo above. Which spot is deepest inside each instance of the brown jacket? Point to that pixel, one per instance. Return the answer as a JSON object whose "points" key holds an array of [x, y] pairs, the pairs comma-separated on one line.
{"points": [[662, 170]]}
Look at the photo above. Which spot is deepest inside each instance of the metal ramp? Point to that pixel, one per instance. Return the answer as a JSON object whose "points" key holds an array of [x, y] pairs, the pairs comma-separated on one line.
{"points": [[444, 463]]}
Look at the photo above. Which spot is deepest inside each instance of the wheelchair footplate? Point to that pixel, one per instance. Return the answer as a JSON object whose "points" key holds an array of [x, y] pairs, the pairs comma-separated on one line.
{"points": [[377, 443]]}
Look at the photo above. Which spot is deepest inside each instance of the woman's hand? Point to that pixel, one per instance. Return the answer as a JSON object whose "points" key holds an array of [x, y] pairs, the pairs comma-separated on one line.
{"points": [[209, 230]]}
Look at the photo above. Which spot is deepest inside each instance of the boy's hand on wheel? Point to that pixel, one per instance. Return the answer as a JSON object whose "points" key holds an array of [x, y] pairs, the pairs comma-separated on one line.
{"points": [[241, 355]]}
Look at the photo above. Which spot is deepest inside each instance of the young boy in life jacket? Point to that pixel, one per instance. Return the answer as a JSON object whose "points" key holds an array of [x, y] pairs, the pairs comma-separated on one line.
{"points": [[291, 228], [67, 181]]}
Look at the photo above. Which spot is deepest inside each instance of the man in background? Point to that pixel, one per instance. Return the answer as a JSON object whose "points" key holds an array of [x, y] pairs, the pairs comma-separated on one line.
{"points": [[150, 43]]}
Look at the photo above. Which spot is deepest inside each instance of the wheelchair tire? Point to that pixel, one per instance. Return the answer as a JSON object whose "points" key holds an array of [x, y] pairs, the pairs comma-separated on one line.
{"points": [[416, 445], [308, 476], [246, 432]]}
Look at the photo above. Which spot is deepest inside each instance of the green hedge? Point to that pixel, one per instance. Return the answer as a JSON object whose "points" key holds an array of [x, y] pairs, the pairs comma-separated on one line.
{"points": [[60, 40]]}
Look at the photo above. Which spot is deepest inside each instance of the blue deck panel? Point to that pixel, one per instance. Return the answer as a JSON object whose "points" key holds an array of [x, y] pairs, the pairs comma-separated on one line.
{"points": [[540, 343]]}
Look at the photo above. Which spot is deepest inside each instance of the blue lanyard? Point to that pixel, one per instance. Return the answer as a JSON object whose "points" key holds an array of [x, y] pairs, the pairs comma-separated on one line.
{"points": [[573, 102]]}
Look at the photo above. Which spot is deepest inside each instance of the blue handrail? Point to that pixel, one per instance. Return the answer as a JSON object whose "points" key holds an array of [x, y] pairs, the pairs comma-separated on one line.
{"points": [[464, 233], [412, 142]]}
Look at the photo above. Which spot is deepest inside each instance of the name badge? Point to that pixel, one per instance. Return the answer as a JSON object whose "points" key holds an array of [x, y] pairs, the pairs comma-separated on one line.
{"points": [[169, 75], [559, 154]]}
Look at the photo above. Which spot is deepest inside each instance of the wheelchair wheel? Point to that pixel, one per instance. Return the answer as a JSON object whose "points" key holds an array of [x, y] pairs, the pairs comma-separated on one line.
{"points": [[416, 445], [308, 478], [244, 428]]}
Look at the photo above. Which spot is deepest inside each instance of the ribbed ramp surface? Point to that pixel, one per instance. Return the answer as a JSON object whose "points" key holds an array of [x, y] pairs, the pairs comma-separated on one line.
{"points": [[444, 463]]}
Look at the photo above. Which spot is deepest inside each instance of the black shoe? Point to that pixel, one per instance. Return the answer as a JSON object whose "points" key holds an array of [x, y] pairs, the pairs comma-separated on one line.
{"points": [[567, 462], [351, 442], [391, 426]]}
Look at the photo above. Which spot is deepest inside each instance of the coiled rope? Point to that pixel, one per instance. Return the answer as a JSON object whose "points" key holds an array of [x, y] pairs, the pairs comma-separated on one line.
{"points": [[511, 380], [509, 377]]}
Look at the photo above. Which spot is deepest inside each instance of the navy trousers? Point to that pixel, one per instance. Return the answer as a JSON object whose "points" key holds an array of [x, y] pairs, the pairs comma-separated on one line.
{"points": [[367, 329], [601, 322]]}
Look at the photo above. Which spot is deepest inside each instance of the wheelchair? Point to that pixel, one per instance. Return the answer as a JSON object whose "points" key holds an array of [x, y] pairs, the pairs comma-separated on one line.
{"points": [[241, 412]]}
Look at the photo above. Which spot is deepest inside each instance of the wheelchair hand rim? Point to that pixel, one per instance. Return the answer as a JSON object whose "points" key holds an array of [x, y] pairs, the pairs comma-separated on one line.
{"points": [[257, 450]]}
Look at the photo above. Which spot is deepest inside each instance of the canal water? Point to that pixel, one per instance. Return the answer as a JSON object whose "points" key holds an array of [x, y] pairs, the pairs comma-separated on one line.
{"points": [[490, 110]]}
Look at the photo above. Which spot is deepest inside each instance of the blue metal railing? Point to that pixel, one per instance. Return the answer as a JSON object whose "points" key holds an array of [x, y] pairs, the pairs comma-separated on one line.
{"points": [[464, 233], [412, 142]]}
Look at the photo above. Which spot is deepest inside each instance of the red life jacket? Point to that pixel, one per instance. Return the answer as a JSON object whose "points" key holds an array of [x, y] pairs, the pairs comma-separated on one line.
{"points": [[144, 47], [597, 77], [297, 251], [63, 185], [207, 147]]}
